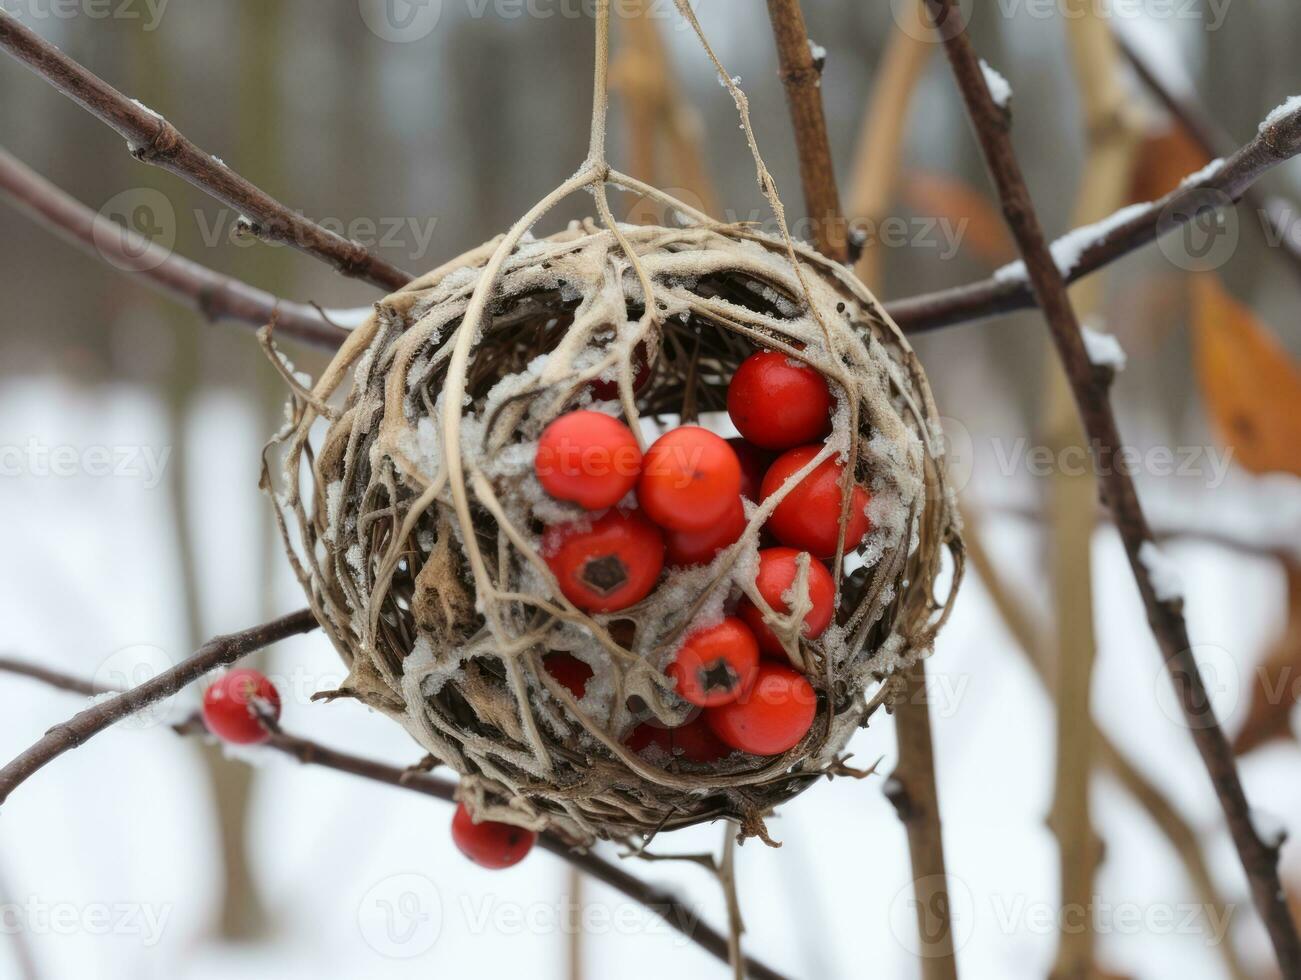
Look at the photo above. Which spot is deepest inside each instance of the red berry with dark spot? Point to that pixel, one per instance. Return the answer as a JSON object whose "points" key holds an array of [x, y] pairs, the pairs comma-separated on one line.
{"points": [[610, 564], [778, 569], [569, 671], [717, 664], [754, 464], [694, 742], [700, 547], [773, 717], [690, 479], [588, 459], [489, 843], [777, 402], [231, 705], [808, 518]]}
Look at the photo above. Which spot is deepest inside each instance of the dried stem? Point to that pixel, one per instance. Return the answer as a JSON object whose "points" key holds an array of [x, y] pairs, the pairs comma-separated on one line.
{"points": [[218, 298], [1274, 144], [802, 78], [152, 139], [912, 791], [1090, 387], [85, 725], [1212, 141], [726, 871], [1030, 641], [675, 912]]}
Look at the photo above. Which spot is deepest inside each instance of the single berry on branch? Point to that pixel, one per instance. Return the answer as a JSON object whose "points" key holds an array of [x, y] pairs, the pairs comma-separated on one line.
{"points": [[232, 703], [490, 843]]}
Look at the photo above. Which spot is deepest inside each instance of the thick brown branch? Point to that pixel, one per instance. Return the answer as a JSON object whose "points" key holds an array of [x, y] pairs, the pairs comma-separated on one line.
{"points": [[802, 77], [154, 140], [1090, 388], [1274, 144], [677, 913], [1212, 141], [219, 298], [86, 724]]}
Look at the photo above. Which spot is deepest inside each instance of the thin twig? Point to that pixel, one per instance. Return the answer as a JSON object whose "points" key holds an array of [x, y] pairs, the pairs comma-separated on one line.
{"points": [[802, 77], [1029, 638], [218, 298], [1274, 144], [1212, 141], [1090, 386], [152, 139], [913, 792], [726, 872], [677, 913], [85, 725]]}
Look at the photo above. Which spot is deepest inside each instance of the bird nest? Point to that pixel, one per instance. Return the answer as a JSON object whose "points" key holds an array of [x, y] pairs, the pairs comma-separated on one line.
{"points": [[414, 520]]}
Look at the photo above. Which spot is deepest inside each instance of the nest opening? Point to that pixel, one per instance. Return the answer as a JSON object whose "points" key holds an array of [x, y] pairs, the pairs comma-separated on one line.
{"points": [[413, 519]]}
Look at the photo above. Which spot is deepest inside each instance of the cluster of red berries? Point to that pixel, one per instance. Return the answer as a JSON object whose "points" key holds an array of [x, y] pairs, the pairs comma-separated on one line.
{"points": [[681, 503], [234, 709]]}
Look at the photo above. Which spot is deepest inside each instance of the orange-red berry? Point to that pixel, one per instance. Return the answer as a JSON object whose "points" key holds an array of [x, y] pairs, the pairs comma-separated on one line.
{"points": [[778, 569], [611, 564], [700, 547], [588, 459], [777, 402], [231, 704], [808, 518], [773, 718], [490, 843], [690, 479], [717, 664]]}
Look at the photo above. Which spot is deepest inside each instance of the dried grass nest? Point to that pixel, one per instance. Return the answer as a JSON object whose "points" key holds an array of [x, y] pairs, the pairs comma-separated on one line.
{"points": [[412, 516]]}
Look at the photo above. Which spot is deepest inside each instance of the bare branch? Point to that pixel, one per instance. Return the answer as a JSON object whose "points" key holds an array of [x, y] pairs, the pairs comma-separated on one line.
{"points": [[86, 724], [1211, 140], [1276, 143], [1090, 387], [152, 139], [802, 77], [673, 910], [220, 299]]}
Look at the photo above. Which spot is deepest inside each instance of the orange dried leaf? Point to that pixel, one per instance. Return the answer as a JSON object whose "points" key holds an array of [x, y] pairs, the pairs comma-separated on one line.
{"points": [[1164, 159], [1251, 386], [1278, 680], [970, 214]]}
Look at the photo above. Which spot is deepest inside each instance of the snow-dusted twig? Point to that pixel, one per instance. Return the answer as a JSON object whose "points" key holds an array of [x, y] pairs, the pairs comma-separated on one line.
{"points": [[1277, 141], [992, 124], [802, 77], [219, 298], [152, 139], [85, 725], [1211, 140], [675, 912]]}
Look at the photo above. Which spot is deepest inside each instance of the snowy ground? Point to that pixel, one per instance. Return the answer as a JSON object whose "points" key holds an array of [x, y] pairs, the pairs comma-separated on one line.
{"points": [[107, 856]]}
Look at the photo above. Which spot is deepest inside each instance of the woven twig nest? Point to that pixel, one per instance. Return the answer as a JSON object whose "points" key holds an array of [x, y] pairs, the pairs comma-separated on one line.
{"points": [[416, 535]]}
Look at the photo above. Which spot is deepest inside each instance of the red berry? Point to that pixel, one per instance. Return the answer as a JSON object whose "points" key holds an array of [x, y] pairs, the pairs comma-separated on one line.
{"points": [[808, 518], [489, 843], [569, 671], [777, 402], [776, 714], [589, 459], [700, 547], [229, 710], [690, 479], [778, 568], [608, 391], [695, 741], [717, 664], [754, 463], [609, 565]]}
